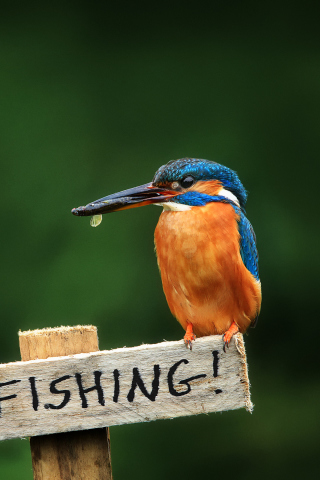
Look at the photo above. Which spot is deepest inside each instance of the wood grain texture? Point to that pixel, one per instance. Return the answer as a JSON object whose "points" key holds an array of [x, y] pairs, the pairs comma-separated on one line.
{"points": [[81, 455], [58, 342], [126, 385]]}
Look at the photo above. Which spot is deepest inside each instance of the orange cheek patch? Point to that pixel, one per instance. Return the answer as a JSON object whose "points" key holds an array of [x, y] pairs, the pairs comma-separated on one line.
{"points": [[210, 187]]}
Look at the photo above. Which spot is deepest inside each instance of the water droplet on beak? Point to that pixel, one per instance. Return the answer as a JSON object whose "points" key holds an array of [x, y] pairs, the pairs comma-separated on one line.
{"points": [[95, 220]]}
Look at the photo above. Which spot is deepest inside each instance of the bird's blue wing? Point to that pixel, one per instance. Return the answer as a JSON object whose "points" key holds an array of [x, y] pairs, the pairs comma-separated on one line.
{"points": [[248, 247]]}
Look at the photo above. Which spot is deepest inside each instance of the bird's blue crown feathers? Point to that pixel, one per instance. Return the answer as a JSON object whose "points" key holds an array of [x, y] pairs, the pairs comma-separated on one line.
{"points": [[201, 169]]}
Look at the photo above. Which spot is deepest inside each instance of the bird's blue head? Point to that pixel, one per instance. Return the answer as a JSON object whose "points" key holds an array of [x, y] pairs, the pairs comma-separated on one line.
{"points": [[187, 181], [197, 179]]}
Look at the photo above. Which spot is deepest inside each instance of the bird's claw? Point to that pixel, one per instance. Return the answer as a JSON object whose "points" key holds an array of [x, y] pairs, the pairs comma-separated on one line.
{"points": [[229, 334], [225, 344], [188, 339]]}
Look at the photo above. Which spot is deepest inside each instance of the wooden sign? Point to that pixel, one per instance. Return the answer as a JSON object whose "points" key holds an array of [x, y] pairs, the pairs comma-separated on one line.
{"points": [[126, 385]]}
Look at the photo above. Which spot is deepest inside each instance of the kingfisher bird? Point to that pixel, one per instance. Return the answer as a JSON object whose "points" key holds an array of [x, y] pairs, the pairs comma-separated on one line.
{"points": [[205, 245]]}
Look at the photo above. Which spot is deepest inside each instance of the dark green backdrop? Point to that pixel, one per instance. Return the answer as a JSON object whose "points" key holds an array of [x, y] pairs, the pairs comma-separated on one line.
{"points": [[94, 98]]}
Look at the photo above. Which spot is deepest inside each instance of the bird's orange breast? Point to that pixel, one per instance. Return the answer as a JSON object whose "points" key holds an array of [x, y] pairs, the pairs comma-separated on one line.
{"points": [[203, 276]]}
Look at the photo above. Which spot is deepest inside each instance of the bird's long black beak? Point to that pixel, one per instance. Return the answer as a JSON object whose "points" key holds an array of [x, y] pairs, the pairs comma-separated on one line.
{"points": [[131, 198]]}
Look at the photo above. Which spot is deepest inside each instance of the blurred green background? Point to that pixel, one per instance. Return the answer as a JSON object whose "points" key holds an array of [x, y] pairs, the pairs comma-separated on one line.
{"points": [[95, 96]]}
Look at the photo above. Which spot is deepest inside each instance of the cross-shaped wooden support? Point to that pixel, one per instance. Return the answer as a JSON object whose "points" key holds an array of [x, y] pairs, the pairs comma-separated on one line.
{"points": [[65, 392], [79, 455]]}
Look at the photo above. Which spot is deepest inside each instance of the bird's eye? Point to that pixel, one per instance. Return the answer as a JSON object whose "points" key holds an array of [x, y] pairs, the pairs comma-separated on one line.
{"points": [[187, 182]]}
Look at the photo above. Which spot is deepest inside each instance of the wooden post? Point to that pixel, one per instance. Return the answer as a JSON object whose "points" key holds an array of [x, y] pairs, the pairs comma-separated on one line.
{"points": [[80, 455]]}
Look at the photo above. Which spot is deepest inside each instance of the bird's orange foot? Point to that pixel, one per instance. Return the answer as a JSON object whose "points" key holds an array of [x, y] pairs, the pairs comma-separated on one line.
{"points": [[189, 336], [229, 334]]}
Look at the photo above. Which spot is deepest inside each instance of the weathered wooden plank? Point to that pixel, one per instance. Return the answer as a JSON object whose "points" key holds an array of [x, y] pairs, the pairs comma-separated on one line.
{"points": [[121, 386]]}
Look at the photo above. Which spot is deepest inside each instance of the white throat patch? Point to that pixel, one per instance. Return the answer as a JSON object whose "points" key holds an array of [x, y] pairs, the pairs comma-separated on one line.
{"points": [[174, 207]]}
